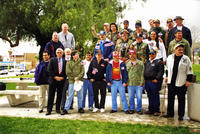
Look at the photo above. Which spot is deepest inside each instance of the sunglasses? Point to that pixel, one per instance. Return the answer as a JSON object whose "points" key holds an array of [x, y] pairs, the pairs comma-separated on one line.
{"points": [[152, 53]]}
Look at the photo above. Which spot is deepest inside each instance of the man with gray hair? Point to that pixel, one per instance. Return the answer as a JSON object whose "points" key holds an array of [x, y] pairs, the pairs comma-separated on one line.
{"points": [[66, 38]]}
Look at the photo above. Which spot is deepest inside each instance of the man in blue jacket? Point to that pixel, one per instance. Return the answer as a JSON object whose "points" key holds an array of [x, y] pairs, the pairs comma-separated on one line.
{"points": [[116, 77], [105, 45], [41, 79]]}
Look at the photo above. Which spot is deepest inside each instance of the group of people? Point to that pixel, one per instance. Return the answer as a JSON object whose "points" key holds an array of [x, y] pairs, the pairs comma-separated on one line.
{"points": [[126, 59]]}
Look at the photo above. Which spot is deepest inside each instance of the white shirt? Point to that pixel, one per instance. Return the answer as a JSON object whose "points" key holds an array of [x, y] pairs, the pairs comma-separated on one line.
{"points": [[86, 65], [67, 40], [161, 51]]}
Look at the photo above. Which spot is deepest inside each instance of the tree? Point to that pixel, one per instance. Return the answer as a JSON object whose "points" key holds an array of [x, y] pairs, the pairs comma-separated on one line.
{"points": [[27, 19]]}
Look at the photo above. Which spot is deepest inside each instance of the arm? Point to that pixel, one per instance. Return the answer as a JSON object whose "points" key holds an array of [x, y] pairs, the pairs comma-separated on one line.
{"points": [[109, 73], [160, 71], [73, 42], [82, 72]]}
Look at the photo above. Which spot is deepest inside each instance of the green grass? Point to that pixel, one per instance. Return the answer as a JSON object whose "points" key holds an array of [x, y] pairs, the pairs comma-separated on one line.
{"points": [[22, 76], [196, 71], [12, 125]]}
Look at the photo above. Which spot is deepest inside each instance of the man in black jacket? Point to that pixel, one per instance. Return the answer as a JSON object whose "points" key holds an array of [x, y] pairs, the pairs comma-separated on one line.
{"points": [[57, 77], [179, 26], [95, 74], [153, 75]]}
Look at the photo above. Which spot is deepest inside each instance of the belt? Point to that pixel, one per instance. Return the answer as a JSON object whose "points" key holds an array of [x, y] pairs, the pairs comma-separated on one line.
{"points": [[116, 79]]}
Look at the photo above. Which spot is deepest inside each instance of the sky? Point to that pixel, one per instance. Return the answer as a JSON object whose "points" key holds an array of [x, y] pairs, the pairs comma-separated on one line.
{"points": [[152, 9]]}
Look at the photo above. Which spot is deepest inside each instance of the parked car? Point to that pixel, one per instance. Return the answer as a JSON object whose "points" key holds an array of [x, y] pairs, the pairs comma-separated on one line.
{"points": [[22, 72], [32, 71], [3, 72]]}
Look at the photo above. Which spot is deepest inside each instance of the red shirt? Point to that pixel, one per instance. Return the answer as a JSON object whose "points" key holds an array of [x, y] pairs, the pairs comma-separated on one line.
{"points": [[116, 71]]}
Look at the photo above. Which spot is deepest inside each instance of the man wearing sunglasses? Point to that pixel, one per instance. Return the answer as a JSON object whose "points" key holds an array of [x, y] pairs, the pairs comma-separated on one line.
{"points": [[153, 75]]}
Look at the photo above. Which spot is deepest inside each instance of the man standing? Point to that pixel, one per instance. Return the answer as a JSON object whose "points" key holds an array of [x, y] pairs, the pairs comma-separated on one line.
{"points": [[135, 70], [87, 84], [105, 46], [96, 74], [66, 38], [53, 45], [179, 26], [75, 73], [178, 75], [170, 26], [57, 77], [41, 79], [180, 40], [126, 27], [106, 29], [139, 31], [153, 74], [116, 77]]}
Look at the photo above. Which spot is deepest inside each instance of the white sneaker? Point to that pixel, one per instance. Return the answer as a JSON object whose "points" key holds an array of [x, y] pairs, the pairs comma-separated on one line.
{"points": [[90, 108], [95, 110], [102, 110]]}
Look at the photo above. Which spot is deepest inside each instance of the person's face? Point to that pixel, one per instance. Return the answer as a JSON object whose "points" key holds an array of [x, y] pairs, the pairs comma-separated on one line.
{"points": [[179, 35], [139, 39], [103, 37], [124, 36], [179, 51], [67, 53], [76, 57], [151, 23], [132, 56], [64, 28], [152, 55], [156, 24], [179, 21], [98, 56], [170, 25], [106, 28], [126, 26], [46, 57], [55, 37], [113, 27], [88, 57], [59, 53], [153, 35]]}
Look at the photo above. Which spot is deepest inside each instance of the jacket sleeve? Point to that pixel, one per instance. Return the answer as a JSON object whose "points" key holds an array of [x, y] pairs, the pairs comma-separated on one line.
{"points": [[112, 50], [89, 73], [142, 76], [160, 71], [36, 76], [125, 74], [109, 73], [69, 71]]}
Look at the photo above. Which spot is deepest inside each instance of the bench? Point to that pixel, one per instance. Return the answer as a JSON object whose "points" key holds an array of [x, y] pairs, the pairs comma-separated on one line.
{"points": [[16, 97]]}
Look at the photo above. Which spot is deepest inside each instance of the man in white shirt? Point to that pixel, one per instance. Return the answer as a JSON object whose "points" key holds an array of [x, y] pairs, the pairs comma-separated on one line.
{"points": [[66, 38], [87, 84]]}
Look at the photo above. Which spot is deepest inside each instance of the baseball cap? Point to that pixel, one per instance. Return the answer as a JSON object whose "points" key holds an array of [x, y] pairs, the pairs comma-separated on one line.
{"points": [[169, 20], [126, 22], [98, 51], [132, 51], [156, 21], [178, 45], [178, 17], [138, 23], [115, 54], [106, 24], [102, 33]]}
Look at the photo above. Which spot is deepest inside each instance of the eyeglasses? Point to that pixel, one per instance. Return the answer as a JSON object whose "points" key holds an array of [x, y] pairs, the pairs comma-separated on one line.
{"points": [[59, 52], [152, 53]]}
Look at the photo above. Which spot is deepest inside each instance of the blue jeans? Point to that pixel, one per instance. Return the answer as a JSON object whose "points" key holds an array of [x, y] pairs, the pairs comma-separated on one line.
{"points": [[117, 85], [153, 95], [132, 90], [71, 96], [87, 85]]}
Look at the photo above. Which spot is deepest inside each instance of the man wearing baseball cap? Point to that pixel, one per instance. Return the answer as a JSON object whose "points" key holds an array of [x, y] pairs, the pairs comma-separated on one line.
{"points": [[116, 77], [178, 77], [179, 26], [126, 27], [135, 70], [170, 26], [106, 29], [153, 75], [139, 30]]}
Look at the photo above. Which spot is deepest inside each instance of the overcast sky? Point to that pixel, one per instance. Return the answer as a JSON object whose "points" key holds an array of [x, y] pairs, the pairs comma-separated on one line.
{"points": [[152, 9]]}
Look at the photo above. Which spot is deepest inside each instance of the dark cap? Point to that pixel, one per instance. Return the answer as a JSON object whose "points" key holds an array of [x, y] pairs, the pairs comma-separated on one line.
{"points": [[178, 45], [98, 52], [124, 30], [138, 23], [102, 33], [139, 35], [126, 22], [177, 31], [156, 21], [169, 20], [178, 17]]}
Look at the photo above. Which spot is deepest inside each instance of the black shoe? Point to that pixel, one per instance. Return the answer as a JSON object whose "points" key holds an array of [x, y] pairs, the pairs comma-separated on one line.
{"points": [[63, 112], [167, 116], [156, 114], [58, 111], [149, 112], [127, 112], [71, 108], [139, 112], [113, 111], [132, 112], [48, 113], [40, 111], [180, 118], [81, 110]]}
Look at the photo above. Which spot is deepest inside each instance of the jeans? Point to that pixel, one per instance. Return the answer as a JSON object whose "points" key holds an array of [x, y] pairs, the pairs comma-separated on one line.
{"points": [[87, 85], [132, 90], [117, 85], [71, 96]]}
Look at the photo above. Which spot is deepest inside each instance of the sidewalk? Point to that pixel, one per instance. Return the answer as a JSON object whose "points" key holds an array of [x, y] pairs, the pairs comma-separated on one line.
{"points": [[31, 110]]}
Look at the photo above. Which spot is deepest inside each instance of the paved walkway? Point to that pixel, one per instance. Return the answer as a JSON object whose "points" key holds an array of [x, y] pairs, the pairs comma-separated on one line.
{"points": [[31, 110]]}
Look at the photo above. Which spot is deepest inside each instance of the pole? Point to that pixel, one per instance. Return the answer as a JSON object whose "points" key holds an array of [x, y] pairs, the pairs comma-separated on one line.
{"points": [[163, 102]]}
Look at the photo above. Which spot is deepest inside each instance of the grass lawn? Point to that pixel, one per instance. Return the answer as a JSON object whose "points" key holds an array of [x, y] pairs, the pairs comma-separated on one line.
{"points": [[22, 76], [12, 125], [196, 70]]}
